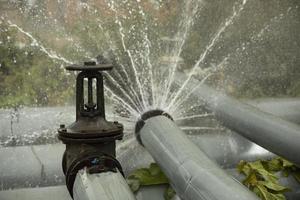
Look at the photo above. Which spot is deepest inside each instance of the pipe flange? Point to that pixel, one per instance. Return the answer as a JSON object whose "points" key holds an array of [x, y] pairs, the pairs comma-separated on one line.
{"points": [[147, 115]]}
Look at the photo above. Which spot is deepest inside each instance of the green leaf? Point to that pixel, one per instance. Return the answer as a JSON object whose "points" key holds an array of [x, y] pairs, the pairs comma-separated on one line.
{"points": [[286, 172], [266, 195], [151, 176], [169, 193], [286, 163], [274, 165], [256, 191], [243, 167], [278, 196], [274, 187], [262, 192], [259, 168], [260, 177], [155, 170], [134, 184], [251, 179], [267, 176]]}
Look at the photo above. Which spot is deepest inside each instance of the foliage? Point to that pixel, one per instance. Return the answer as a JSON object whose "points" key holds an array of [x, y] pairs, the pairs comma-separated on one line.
{"points": [[261, 177], [27, 76], [150, 176]]}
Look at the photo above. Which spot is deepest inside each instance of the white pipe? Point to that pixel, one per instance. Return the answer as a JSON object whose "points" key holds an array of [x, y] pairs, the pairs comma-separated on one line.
{"points": [[269, 131], [192, 174], [104, 186]]}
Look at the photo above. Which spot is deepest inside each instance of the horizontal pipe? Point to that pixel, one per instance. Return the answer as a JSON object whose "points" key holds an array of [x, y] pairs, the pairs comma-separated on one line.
{"points": [[285, 108], [104, 186], [191, 173], [269, 131]]}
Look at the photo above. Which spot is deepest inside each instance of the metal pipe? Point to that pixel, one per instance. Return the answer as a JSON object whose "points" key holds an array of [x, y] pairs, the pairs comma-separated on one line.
{"points": [[192, 174], [285, 108], [104, 186], [269, 131]]}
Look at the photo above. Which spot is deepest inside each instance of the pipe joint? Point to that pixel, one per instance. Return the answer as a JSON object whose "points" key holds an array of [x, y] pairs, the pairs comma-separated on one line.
{"points": [[145, 116]]}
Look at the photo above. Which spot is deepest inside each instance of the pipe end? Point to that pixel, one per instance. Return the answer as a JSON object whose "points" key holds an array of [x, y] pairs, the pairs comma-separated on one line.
{"points": [[147, 115]]}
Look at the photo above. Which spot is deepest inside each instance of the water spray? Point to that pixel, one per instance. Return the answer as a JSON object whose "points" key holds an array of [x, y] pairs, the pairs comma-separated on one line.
{"points": [[267, 130], [191, 173]]}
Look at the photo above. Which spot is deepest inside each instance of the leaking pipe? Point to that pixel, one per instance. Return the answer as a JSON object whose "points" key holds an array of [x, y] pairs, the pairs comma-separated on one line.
{"points": [[267, 130], [191, 173]]}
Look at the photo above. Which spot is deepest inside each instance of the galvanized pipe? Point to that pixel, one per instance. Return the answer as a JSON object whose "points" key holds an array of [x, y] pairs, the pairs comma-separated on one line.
{"points": [[104, 186], [269, 131], [192, 174], [285, 108]]}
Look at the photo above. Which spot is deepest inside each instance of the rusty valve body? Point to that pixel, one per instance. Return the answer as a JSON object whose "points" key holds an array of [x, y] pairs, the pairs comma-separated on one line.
{"points": [[90, 140]]}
